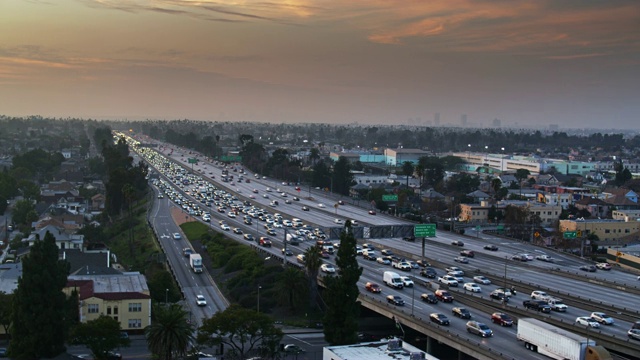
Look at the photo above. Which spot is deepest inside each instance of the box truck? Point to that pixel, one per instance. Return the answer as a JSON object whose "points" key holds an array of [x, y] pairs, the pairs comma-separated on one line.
{"points": [[558, 343], [392, 279], [196, 263]]}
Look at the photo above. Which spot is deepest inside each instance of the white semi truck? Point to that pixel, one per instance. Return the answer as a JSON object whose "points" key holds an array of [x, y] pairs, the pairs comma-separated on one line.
{"points": [[558, 343], [196, 263]]}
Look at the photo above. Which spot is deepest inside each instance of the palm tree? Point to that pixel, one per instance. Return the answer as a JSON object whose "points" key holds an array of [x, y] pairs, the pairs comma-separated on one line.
{"points": [[312, 262], [292, 287], [170, 333]]}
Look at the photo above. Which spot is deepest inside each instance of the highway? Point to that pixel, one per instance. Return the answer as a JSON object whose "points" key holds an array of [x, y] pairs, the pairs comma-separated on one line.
{"points": [[439, 250]]}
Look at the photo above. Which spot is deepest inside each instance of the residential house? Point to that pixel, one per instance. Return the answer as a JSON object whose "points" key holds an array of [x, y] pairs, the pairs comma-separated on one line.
{"points": [[596, 207], [547, 179], [621, 198], [64, 240]]}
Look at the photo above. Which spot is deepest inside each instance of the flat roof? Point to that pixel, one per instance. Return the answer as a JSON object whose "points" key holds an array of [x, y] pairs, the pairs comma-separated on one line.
{"points": [[373, 351], [125, 283]]}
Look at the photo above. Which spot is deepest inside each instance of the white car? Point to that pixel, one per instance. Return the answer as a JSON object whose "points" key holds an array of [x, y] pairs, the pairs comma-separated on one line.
{"points": [[383, 261], [225, 227], [201, 301], [327, 268], [545, 258], [448, 280], [454, 268], [473, 287], [540, 295], [177, 236], [602, 318], [231, 214], [587, 321], [338, 221], [481, 280], [406, 281], [321, 205]]}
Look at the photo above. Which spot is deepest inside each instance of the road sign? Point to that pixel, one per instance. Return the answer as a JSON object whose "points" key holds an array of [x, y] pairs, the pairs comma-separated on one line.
{"points": [[570, 234], [424, 230], [389, 197], [193, 161], [536, 234]]}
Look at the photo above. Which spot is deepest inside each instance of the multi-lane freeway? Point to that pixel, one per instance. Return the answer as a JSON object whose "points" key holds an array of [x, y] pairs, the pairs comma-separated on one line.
{"points": [[552, 277]]}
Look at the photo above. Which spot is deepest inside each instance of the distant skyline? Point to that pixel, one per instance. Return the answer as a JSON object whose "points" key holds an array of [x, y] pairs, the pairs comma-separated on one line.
{"points": [[573, 63]]}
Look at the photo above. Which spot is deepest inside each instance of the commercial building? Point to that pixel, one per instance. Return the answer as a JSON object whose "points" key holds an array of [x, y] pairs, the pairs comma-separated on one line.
{"points": [[479, 213], [381, 350], [124, 297], [605, 229], [397, 157]]}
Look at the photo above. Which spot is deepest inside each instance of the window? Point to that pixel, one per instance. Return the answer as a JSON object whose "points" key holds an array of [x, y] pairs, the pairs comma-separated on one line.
{"points": [[135, 307], [108, 310], [115, 310], [93, 308], [135, 323]]}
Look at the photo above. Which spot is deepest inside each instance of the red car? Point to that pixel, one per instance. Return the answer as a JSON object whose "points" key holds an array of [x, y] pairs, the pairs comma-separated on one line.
{"points": [[372, 212], [501, 319], [372, 287]]}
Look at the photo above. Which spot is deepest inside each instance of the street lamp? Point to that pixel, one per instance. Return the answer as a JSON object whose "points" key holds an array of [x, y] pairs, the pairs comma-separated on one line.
{"points": [[259, 287], [413, 293], [166, 296], [502, 160]]}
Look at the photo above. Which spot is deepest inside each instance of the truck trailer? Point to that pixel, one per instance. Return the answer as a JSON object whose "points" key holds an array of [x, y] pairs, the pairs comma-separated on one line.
{"points": [[196, 263], [558, 343]]}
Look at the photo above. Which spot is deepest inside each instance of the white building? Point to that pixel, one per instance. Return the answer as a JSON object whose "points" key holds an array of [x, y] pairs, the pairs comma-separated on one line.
{"points": [[382, 350]]}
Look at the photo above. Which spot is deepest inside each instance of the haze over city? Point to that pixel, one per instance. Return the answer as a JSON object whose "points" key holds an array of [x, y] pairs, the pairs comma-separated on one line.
{"points": [[574, 63]]}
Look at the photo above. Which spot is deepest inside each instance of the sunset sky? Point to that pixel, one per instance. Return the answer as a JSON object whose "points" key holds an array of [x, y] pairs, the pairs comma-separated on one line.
{"points": [[575, 63]]}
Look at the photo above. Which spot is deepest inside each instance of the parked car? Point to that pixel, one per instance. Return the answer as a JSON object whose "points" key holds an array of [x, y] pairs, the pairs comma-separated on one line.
{"points": [[479, 328], [430, 298], [439, 318], [461, 312], [501, 319], [587, 321], [395, 300], [602, 318], [372, 287]]}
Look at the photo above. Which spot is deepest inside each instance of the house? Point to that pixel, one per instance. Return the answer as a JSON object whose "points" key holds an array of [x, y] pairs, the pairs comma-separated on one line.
{"points": [[478, 196], [547, 179], [64, 240], [621, 198], [124, 297], [508, 180], [596, 207]]}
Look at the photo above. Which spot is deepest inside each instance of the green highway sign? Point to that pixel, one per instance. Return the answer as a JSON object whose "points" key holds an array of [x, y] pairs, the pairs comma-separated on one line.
{"points": [[570, 234], [389, 197], [193, 161], [424, 230]]}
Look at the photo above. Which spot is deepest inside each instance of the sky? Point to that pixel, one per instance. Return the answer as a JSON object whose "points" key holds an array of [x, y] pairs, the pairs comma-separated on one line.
{"points": [[573, 63]]}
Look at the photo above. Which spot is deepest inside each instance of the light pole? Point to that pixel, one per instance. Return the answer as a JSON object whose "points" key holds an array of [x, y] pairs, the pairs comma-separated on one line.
{"points": [[259, 287], [504, 303], [413, 294], [166, 297], [502, 161], [453, 202]]}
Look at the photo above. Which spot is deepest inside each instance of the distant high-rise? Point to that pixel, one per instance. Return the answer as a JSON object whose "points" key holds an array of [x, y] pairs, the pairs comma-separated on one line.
{"points": [[496, 123], [463, 120], [436, 119]]}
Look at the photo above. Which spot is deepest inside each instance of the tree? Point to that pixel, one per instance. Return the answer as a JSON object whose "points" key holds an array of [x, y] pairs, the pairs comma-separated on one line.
{"points": [[5, 311], [314, 155], [407, 170], [292, 288], [38, 327], [170, 332], [24, 212], [241, 329], [342, 176], [343, 307], [312, 263], [496, 184], [521, 174], [100, 336]]}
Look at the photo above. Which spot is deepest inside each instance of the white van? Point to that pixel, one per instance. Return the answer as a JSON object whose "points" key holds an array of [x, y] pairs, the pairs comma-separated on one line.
{"points": [[392, 279]]}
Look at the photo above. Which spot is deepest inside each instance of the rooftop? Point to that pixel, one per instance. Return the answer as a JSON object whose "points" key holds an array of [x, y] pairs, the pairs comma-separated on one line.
{"points": [[378, 350]]}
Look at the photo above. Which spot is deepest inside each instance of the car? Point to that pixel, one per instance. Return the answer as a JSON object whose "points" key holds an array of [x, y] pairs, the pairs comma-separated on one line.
{"points": [[490, 247], [455, 269], [545, 258], [406, 281], [3, 352], [372, 212], [444, 295], [439, 318], [428, 272], [383, 261], [266, 196], [395, 300], [231, 214], [295, 198], [602, 318], [201, 301], [265, 241], [540, 295], [461, 312], [255, 191], [327, 268], [177, 236], [603, 266], [538, 305], [248, 237], [461, 259], [293, 349], [430, 298], [373, 287], [587, 321], [321, 205], [518, 257], [588, 268], [340, 202], [287, 201], [237, 231], [338, 221], [467, 253], [386, 252], [301, 258], [225, 227], [481, 280], [479, 328], [271, 232], [507, 292], [423, 263], [473, 287], [634, 334], [448, 280], [501, 319], [326, 255], [305, 208], [499, 296], [287, 252]]}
